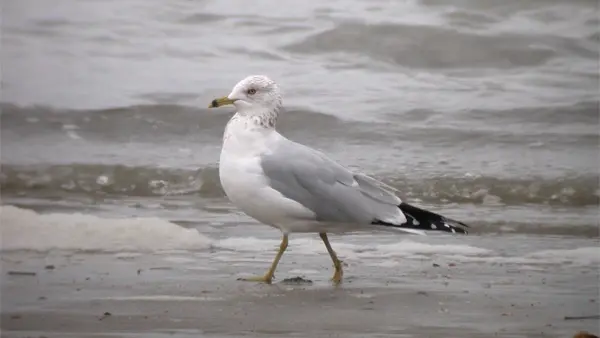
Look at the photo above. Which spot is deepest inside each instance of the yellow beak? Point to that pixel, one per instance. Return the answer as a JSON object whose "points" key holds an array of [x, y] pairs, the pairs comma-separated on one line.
{"points": [[222, 101]]}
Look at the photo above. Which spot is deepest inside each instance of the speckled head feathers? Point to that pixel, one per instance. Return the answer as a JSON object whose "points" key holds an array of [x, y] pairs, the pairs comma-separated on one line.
{"points": [[256, 94]]}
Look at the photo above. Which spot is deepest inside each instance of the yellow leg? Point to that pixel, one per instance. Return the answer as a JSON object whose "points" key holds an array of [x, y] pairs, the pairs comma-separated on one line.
{"points": [[268, 277], [337, 276]]}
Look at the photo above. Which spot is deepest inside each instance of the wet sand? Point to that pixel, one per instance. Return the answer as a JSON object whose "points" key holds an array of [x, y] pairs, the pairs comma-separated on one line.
{"points": [[169, 295]]}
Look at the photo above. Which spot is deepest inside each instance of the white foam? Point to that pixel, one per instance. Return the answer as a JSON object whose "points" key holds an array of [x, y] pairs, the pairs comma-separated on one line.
{"points": [[307, 246], [166, 298], [179, 260], [303, 272], [24, 229], [411, 248], [390, 254], [385, 264], [584, 256], [247, 244], [73, 135]]}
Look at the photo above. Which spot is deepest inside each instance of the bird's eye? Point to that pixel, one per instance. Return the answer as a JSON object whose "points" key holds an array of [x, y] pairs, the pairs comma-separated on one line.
{"points": [[251, 91]]}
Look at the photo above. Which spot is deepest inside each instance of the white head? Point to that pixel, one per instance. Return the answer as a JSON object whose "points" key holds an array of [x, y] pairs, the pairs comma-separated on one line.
{"points": [[255, 95]]}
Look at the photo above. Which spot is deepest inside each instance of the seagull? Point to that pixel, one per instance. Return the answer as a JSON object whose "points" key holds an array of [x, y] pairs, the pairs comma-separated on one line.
{"points": [[297, 189]]}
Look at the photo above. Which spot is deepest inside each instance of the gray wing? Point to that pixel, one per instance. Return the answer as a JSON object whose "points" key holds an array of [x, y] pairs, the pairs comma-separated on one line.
{"points": [[331, 191]]}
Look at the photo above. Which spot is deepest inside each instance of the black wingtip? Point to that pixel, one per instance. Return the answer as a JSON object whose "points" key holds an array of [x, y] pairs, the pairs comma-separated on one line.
{"points": [[421, 219]]}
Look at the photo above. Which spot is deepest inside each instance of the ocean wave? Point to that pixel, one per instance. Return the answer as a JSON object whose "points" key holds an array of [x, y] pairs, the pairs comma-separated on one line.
{"points": [[24, 229], [109, 180], [146, 122], [429, 47], [549, 126], [92, 179]]}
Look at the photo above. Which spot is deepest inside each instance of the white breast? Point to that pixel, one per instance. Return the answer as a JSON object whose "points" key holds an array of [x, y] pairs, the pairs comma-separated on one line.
{"points": [[243, 179]]}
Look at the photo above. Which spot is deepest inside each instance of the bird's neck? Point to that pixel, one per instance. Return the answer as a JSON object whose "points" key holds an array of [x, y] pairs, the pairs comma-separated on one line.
{"points": [[245, 127], [262, 118]]}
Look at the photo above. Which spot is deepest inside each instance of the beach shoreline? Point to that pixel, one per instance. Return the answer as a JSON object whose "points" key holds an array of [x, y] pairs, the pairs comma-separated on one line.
{"points": [[137, 295]]}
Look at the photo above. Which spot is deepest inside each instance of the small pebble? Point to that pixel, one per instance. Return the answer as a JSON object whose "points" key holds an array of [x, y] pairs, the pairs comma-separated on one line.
{"points": [[297, 280], [104, 315]]}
